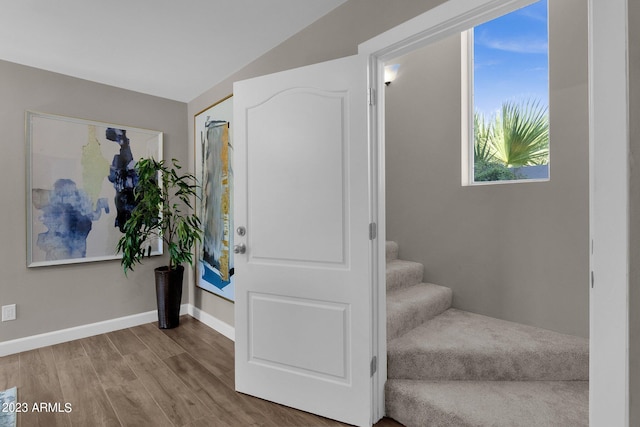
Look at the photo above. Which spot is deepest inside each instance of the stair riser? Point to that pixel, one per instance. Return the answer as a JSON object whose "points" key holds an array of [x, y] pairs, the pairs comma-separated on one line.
{"points": [[489, 367], [412, 309], [391, 251], [401, 323], [404, 275], [491, 403], [412, 412]]}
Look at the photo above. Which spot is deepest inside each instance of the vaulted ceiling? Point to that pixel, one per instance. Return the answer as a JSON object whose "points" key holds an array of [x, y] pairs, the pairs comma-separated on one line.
{"points": [[175, 49]]}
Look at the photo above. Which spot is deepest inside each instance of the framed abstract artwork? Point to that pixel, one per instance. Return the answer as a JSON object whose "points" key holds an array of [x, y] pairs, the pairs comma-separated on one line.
{"points": [[214, 169], [80, 180]]}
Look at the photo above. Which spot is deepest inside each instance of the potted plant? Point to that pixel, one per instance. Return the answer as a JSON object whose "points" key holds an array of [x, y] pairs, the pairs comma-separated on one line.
{"points": [[163, 209]]}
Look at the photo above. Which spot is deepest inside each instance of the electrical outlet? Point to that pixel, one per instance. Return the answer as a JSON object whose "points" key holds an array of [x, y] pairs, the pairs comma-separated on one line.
{"points": [[8, 312]]}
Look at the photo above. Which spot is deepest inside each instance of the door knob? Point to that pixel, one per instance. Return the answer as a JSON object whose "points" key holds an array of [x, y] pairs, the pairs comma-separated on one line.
{"points": [[239, 249]]}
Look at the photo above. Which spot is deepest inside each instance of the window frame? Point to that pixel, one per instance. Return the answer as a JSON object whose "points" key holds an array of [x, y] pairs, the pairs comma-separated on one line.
{"points": [[467, 62]]}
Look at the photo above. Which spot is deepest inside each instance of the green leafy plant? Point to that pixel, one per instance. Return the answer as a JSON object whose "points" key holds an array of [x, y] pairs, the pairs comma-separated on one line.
{"points": [[518, 136], [482, 134], [493, 171], [163, 211], [521, 134]]}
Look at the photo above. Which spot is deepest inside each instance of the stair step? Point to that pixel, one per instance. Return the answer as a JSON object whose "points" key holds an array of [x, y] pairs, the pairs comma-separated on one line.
{"points": [[459, 345], [409, 307], [402, 274], [391, 251], [488, 403]]}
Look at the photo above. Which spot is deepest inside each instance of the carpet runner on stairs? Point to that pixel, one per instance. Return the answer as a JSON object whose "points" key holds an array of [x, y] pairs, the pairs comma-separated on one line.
{"points": [[448, 367]]}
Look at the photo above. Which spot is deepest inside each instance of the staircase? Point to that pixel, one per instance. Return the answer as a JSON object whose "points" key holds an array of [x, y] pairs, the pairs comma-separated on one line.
{"points": [[448, 367]]}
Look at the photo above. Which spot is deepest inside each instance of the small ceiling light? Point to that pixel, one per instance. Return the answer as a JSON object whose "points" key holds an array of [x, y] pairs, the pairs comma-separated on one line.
{"points": [[390, 73]]}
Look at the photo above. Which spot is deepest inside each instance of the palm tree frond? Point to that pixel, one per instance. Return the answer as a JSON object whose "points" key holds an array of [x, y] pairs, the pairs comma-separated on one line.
{"points": [[518, 136]]}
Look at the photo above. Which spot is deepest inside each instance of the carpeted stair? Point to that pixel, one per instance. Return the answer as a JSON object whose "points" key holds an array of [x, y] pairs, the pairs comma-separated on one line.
{"points": [[448, 367]]}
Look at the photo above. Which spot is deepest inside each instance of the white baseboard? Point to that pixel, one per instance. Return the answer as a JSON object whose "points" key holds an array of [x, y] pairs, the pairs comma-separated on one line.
{"points": [[213, 322], [70, 334]]}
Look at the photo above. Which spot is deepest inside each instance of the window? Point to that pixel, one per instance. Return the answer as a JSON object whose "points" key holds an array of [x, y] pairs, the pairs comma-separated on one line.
{"points": [[506, 98]]}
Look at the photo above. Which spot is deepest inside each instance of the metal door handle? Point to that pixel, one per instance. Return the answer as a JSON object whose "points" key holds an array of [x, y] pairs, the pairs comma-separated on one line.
{"points": [[239, 249]]}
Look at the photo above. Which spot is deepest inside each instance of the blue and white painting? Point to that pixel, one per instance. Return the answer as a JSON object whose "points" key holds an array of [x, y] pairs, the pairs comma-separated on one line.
{"points": [[8, 400], [81, 178], [214, 153]]}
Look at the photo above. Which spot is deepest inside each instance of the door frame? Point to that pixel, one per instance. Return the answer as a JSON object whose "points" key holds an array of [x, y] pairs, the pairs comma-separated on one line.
{"points": [[608, 185]]}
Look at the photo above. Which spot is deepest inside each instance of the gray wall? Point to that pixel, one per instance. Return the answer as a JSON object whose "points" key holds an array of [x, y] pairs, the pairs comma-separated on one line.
{"points": [[53, 298], [513, 251], [634, 250], [335, 35]]}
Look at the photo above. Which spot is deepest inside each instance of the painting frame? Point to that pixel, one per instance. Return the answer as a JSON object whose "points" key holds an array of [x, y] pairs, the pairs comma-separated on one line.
{"points": [[79, 186], [213, 148]]}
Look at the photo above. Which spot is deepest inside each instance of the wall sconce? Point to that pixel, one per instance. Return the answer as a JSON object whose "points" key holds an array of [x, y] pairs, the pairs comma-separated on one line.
{"points": [[390, 73]]}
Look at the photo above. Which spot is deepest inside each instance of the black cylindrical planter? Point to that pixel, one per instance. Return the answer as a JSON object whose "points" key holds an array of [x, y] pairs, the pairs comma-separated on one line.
{"points": [[169, 295]]}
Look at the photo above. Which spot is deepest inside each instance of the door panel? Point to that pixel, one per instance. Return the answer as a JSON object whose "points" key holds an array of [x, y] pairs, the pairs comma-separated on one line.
{"points": [[303, 286], [278, 221], [321, 326]]}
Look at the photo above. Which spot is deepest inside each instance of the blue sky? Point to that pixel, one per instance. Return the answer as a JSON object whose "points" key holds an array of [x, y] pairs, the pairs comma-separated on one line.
{"points": [[510, 59]]}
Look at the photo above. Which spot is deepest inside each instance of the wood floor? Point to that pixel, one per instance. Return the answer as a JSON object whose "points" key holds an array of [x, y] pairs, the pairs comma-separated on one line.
{"points": [[142, 376]]}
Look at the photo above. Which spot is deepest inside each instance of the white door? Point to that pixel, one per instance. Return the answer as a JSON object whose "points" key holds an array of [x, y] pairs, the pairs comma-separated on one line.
{"points": [[303, 313]]}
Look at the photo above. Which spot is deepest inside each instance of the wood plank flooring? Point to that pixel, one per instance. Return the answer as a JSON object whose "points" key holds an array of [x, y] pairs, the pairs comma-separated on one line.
{"points": [[143, 376]]}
